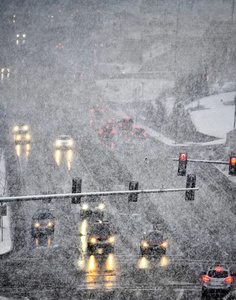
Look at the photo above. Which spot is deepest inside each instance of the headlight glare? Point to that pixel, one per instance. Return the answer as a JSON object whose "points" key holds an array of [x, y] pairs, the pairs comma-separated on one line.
{"points": [[93, 240], [144, 244], [49, 224], [111, 239]]}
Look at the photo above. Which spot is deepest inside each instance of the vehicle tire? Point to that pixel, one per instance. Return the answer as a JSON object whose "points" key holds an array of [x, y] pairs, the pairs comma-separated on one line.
{"points": [[142, 252], [90, 249], [204, 294], [111, 249]]}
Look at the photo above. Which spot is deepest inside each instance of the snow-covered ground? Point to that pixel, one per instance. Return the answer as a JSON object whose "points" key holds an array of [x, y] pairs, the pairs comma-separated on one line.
{"points": [[5, 233], [127, 90], [214, 115]]}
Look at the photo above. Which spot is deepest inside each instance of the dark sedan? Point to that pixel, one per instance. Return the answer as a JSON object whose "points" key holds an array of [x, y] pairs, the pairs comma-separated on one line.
{"points": [[153, 242], [42, 223]]}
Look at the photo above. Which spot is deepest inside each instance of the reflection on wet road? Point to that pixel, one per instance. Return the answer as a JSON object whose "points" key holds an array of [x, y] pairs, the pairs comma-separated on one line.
{"points": [[19, 148], [68, 155], [101, 272]]}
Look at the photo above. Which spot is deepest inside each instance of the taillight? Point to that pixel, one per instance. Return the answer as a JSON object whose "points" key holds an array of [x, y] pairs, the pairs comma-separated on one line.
{"points": [[107, 126], [205, 278], [113, 131], [218, 269], [132, 132], [101, 131], [144, 133], [229, 279], [121, 125], [132, 125]]}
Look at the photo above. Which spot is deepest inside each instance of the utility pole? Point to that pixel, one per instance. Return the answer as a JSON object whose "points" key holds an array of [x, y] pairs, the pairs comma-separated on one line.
{"points": [[234, 110], [232, 16]]}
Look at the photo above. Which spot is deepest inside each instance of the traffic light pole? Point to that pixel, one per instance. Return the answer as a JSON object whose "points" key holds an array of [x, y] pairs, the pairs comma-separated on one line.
{"points": [[205, 161], [107, 193]]}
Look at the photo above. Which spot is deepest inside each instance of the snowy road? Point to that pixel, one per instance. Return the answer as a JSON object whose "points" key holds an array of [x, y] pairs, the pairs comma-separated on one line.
{"points": [[65, 260]]}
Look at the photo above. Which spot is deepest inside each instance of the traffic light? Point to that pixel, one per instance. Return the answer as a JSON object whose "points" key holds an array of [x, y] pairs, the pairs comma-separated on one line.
{"points": [[232, 165], [133, 185], [182, 164], [190, 183], [76, 188], [3, 210]]}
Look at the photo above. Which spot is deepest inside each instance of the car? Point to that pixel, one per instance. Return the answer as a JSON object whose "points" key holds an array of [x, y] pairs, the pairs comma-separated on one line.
{"points": [[126, 124], [218, 278], [139, 133], [97, 110], [153, 242], [64, 142], [101, 237], [21, 134], [42, 223], [107, 132], [92, 210]]}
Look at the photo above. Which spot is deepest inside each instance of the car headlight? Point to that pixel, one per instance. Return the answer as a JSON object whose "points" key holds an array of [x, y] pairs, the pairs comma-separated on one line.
{"points": [[18, 137], [144, 244], [85, 206], [37, 224], [25, 127], [27, 137], [49, 224], [111, 239], [70, 143], [16, 128], [93, 240], [58, 143], [164, 244], [101, 206]]}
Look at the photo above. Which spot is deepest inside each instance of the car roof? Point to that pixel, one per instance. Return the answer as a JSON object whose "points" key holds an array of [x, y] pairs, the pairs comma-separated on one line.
{"points": [[64, 136], [139, 128], [224, 267], [153, 231], [42, 211]]}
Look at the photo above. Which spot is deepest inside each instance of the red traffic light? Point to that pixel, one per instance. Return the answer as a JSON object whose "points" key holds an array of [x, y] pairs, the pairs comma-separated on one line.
{"points": [[183, 156], [233, 160]]}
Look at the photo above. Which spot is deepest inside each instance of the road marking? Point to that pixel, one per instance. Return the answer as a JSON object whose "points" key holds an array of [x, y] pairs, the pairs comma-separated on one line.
{"points": [[180, 294]]}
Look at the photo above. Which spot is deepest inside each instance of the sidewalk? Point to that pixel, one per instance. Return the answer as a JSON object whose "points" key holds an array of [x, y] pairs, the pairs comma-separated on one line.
{"points": [[5, 232]]}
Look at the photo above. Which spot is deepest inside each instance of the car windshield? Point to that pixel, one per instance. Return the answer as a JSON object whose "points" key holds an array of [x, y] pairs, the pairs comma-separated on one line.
{"points": [[100, 230], [154, 236], [215, 274], [43, 216]]}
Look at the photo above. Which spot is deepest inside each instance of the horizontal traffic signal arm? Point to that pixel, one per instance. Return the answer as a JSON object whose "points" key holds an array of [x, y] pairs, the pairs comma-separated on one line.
{"points": [[205, 161], [106, 193]]}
